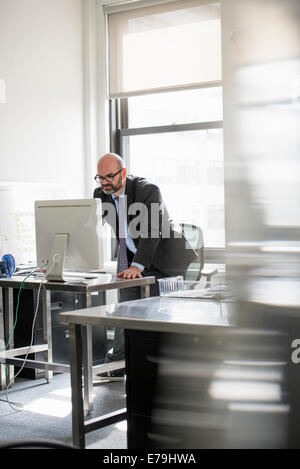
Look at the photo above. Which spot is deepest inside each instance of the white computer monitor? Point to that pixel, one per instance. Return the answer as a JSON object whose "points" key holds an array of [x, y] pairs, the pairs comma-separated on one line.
{"points": [[68, 236]]}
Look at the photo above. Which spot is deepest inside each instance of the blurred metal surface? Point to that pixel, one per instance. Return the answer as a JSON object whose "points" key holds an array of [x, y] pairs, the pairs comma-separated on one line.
{"points": [[241, 389]]}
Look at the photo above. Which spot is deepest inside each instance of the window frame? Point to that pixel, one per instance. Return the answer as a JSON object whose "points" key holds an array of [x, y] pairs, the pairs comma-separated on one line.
{"points": [[119, 130]]}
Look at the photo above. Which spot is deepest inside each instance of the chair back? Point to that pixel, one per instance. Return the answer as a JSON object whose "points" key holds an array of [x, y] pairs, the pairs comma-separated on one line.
{"points": [[194, 235]]}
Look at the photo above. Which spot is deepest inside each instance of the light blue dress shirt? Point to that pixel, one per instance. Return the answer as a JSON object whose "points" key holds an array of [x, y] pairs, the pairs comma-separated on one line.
{"points": [[129, 241]]}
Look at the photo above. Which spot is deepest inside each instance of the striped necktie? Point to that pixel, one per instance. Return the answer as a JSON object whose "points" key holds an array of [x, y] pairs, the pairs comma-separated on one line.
{"points": [[122, 258]]}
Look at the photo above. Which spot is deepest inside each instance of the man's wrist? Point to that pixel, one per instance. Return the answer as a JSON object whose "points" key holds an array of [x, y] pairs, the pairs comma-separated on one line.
{"points": [[140, 266]]}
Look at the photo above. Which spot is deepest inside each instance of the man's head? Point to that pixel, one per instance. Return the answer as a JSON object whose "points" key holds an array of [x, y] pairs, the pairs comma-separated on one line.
{"points": [[111, 173]]}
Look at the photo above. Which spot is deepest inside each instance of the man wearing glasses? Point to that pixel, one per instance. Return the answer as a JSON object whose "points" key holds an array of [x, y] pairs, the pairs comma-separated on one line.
{"points": [[150, 243]]}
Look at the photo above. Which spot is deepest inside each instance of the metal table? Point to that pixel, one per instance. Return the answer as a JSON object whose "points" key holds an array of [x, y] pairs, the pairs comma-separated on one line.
{"points": [[184, 316], [102, 282]]}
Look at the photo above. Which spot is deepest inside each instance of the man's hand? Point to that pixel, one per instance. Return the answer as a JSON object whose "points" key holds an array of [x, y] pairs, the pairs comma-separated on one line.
{"points": [[132, 272]]}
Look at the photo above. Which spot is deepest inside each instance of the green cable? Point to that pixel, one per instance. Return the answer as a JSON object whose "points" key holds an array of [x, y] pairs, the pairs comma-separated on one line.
{"points": [[17, 308], [18, 301]]}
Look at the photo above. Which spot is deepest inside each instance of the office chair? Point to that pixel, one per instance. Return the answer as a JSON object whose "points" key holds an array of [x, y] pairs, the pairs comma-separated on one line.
{"points": [[197, 268]]}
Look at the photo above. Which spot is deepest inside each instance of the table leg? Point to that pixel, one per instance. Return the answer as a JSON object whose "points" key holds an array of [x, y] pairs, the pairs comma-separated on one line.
{"points": [[2, 341], [47, 330], [76, 386], [8, 299], [145, 291], [88, 360]]}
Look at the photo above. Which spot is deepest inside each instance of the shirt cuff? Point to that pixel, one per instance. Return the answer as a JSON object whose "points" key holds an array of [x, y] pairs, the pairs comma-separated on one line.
{"points": [[140, 266]]}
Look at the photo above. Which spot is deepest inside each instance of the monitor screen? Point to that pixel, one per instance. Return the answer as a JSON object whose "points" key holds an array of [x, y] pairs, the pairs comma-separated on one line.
{"points": [[68, 235]]}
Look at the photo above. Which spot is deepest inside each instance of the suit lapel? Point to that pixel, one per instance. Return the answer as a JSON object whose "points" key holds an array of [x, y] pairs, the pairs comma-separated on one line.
{"points": [[129, 193], [129, 196], [130, 199]]}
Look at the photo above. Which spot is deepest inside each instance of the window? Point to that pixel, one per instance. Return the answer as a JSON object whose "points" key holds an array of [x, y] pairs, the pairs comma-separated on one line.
{"points": [[165, 121], [167, 44]]}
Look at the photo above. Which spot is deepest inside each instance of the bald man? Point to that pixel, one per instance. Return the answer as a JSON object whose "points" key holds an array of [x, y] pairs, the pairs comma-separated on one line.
{"points": [[155, 245]]}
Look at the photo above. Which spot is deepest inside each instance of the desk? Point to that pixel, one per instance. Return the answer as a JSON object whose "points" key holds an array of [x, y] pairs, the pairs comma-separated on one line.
{"points": [[103, 282], [158, 314]]}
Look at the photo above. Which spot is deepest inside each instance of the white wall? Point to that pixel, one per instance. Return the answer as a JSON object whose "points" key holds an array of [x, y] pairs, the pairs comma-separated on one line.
{"points": [[102, 80], [41, 124]]}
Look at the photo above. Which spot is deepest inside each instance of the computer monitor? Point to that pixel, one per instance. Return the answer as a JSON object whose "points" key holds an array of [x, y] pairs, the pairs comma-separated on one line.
{"points": [[68, 236]]}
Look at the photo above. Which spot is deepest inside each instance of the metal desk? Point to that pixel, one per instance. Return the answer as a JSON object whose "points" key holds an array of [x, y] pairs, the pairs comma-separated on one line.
{"points": [[101, 283], [184, 316]]}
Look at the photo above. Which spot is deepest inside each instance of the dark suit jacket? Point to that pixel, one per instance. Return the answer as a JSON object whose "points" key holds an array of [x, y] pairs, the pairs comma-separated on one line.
{"points": [[159, 241]]}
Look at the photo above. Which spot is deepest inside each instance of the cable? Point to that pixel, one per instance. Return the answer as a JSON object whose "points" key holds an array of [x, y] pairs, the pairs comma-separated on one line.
{"points": [[16, 319], [27, 353], [32, 333], [18, 301]]}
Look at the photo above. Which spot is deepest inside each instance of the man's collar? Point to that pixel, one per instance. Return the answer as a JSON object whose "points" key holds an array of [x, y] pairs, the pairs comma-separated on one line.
{"points": [[128, 187], [122, 193]]}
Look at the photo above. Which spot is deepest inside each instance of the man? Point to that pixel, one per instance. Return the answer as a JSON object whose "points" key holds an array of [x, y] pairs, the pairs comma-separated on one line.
{"points": [[155, 246]]}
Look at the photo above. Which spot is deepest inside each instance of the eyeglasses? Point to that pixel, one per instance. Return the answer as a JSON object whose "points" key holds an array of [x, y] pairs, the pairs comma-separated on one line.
{"points": [[108, 177]]}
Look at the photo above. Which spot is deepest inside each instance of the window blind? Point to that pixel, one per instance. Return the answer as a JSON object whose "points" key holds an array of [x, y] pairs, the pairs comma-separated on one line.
{"points": [[158, 47]]}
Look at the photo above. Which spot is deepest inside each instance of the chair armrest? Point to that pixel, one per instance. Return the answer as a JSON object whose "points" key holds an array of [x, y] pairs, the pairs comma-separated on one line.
{"points": [[209, 271]]}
